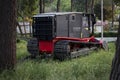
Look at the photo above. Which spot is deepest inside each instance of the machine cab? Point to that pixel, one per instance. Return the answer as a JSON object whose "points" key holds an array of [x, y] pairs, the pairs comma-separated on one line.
{"points": [[47, 26]]}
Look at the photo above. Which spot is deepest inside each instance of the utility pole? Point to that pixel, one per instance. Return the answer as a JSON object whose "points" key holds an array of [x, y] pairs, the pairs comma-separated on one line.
{"points": [[101, 19]]}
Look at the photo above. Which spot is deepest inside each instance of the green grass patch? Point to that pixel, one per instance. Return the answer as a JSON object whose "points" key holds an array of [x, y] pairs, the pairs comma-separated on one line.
{"points": [[21, 49], [95, 66]]}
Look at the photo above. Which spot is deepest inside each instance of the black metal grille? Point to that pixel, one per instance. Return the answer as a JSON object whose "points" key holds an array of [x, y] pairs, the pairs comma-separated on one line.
{"points": [[43, 28]]}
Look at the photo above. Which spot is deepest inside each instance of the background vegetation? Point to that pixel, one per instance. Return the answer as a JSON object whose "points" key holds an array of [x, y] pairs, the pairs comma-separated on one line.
{"points": [[107, 34], [27, 8]]}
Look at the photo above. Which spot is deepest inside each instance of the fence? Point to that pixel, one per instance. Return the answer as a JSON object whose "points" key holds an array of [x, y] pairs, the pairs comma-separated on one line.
{"points": [[24, 29]]}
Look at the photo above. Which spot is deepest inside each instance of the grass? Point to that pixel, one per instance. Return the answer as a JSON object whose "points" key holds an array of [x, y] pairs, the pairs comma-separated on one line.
{"points": [[95, 66]]}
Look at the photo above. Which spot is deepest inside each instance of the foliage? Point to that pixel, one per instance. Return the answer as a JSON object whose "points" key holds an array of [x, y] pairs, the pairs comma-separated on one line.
{"points": [[21, 49], [27, 8], [64, 6], [106, 34], [79, 5], [117, 2], [107, 11], [95, 66], [31, 7]]}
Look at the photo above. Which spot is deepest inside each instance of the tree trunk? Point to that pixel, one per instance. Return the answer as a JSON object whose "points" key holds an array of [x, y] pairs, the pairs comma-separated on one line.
{"points": [[7, 34], [92, 6], [41, 6], [71, 5], [58, 5], [115, 71], [112, 13], [86, 6]]}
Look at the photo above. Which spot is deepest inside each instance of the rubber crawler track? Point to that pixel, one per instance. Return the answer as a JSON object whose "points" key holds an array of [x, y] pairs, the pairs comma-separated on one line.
{"points": [[32, 47], [62, 50]]}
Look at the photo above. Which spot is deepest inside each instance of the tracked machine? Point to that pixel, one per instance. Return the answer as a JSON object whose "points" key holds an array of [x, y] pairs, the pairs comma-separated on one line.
{"points": [[63, 35]]}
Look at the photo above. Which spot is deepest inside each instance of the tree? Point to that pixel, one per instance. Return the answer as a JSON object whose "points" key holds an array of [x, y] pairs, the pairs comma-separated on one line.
{"points": [[112, 13], [71, 5], [65, 5], [58, 5], [51, 5], [86, 6], [115, 71], [47, 4], [79, 5], [42, 6], [117, 2], [92, 6], [107, 10], [7, 34], [27, 8]]}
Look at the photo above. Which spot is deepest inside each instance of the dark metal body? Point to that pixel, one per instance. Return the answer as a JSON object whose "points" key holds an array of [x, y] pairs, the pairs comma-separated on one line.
{"points": [[72, 24]]}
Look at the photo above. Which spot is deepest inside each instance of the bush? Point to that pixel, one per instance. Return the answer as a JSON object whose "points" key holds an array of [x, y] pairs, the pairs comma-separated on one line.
{"points": [[106, 34]]}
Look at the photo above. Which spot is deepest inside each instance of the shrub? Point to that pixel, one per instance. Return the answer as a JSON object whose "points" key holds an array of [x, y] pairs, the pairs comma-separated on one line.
{"points": [[106, 34]]}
